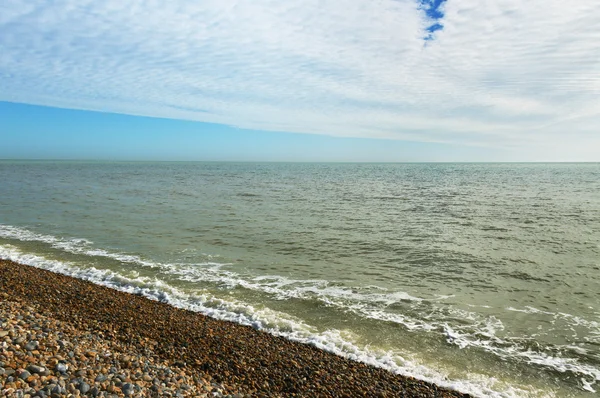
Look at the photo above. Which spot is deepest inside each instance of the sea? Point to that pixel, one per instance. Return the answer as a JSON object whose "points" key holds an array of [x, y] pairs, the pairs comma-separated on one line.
{"points": [[484, 278]]}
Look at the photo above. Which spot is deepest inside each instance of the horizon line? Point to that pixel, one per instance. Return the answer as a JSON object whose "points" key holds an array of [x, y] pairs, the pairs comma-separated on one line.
{"points": [[291, 161]]}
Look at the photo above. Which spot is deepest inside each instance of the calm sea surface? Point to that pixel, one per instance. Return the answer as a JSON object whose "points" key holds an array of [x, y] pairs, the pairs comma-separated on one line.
{"points": [[481, 277]]}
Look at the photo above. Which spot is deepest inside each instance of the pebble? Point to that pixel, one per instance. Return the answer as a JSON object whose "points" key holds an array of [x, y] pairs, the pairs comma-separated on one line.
{"points": [[24, 375], [32, 345], [85, 372], [61, 367], [36, 369], [94, 341], [127, 389], [84, 387]]}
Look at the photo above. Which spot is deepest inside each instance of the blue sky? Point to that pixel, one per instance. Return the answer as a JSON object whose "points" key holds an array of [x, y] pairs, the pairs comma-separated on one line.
{"points": [[301, 80], [39, 132]]}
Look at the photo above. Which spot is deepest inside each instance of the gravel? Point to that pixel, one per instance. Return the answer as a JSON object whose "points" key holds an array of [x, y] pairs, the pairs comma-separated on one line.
{"points": [[94, 341]]}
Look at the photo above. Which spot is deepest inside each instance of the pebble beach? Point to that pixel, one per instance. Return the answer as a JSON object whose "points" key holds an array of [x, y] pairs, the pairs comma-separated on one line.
{"points": [[61, 336]]}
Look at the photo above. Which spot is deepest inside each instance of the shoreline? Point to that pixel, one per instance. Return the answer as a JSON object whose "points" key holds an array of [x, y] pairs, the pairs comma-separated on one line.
{"points": [[232, 359]]}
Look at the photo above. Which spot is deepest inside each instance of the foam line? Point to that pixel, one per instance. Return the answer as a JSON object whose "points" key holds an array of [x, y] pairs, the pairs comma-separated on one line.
{"points": [[479, 332], [270, 321]]}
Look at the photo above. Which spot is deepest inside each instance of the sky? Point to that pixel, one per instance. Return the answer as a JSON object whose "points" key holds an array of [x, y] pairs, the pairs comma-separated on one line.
{"points": [[300, 80]]}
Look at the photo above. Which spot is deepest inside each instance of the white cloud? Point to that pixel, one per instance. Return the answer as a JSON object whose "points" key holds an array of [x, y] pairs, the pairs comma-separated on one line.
{"points": [[506, 73]]}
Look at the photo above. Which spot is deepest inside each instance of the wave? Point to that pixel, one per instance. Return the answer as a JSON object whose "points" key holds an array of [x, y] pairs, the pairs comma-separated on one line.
{"points": [[431, 315], [281, 324], [72, 245]]}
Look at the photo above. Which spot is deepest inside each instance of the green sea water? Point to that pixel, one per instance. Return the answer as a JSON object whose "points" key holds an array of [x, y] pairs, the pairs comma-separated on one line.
{"points": [[480, 277]]}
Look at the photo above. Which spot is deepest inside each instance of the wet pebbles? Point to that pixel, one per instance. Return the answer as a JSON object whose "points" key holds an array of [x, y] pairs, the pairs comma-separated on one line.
{"points": [[61, 336]]}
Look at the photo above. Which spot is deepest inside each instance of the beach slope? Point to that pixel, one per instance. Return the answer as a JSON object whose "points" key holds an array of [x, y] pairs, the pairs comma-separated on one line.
{"points": [[69, 336]]}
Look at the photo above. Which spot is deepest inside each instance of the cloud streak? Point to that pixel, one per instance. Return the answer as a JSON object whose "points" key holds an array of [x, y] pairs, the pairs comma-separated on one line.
{"points": [[505, 74]]}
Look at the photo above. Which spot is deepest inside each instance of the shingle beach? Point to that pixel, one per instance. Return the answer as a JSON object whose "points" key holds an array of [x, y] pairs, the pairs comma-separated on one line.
{"points": [[61, 336]]}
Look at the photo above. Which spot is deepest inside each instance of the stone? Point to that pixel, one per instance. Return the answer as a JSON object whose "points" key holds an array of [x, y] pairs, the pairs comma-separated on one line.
{"points": [[36, 369], [84, 387], [3, 333], [32, 346], [24, 375], [127, 389], [61, 367]]}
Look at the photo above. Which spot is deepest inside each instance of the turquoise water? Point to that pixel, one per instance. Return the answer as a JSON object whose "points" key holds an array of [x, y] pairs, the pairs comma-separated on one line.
{"points": [[481, 277]]}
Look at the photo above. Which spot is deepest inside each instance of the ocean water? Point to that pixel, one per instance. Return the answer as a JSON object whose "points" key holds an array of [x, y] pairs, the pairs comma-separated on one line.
{"points": [[481, 277]]}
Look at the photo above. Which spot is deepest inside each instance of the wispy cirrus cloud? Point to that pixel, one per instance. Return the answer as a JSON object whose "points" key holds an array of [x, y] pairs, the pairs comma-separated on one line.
{"points": [[506, 73]]}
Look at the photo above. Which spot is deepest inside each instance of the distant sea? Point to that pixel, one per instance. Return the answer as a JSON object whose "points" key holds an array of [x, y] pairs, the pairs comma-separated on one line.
{"points": [[481, 277]]}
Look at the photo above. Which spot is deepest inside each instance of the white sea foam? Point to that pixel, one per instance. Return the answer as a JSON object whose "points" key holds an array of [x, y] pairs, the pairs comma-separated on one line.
{"points": [[529, 310], [479, 332], [72, 245], [277, 323]]}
